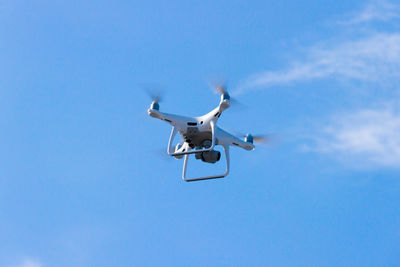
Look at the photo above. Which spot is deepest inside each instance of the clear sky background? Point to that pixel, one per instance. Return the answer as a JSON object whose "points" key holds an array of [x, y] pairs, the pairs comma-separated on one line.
{"points": [[81, 183]]}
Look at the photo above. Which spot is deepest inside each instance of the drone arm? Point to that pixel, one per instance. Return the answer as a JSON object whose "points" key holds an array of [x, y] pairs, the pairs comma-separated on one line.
{"points": [[157, 114], [162, 116], [229, 139], [224, 104], [214, 114], [226, 149], [242, 144]]}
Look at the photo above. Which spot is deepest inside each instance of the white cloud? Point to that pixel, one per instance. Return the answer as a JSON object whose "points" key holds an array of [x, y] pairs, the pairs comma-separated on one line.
{"points": [[371, 59], [28, 263], [375, 57], [370, 136], [377, 10]]}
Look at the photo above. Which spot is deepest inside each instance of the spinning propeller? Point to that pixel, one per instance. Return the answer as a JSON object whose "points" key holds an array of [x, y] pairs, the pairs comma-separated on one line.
{"points": [[155, 94], [261, 139], [220, 87]]}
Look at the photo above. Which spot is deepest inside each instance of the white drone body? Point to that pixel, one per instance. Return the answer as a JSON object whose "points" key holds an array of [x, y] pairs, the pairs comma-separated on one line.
{"points": [[200, 136]]}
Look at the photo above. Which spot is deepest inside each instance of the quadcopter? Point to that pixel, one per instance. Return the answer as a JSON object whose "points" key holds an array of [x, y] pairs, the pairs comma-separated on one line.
{"points": [[201, 135]]}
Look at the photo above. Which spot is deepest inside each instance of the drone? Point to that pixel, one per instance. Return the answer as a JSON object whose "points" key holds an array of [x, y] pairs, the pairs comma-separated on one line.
{"points": [[201, 135]]}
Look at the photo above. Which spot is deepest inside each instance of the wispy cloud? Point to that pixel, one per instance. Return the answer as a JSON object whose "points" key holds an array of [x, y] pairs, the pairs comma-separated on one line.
{"points": [[371, 58], [377, 10], [28, 263], [370, 136]]}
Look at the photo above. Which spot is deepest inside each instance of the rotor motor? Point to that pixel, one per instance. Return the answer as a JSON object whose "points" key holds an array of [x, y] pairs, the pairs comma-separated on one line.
{"points": [[155, 105]]}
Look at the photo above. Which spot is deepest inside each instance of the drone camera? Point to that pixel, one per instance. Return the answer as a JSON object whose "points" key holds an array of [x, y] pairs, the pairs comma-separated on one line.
{"points": [[211, 156]]}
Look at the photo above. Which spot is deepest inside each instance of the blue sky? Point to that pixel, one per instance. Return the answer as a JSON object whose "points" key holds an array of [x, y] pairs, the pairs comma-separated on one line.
{"points": [[81, 183]]}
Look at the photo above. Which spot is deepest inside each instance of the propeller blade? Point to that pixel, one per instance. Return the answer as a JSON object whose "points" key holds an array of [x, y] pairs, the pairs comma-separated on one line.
{"points": [[261, 138], [162, 154], [153, 91], [237, 104], [219, 86], [221, 89]]}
